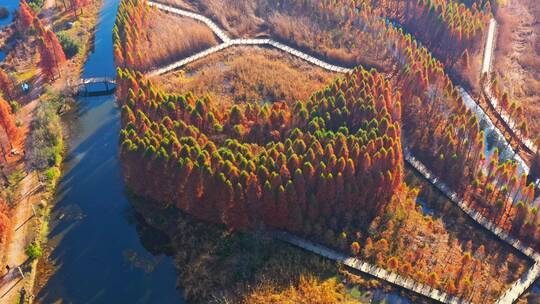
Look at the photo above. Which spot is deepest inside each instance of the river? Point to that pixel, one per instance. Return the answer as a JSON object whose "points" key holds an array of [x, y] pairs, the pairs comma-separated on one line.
{"points": [[96, 238], [11, 6]]}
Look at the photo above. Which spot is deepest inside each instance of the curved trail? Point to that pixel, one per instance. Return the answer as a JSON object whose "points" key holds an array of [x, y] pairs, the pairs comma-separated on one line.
{"points": [[228, 42], [487, 65], [509, 296]]}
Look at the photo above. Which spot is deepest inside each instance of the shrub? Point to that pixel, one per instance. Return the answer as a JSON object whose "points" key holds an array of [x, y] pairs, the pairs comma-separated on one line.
{"points": [[52, 173], [35, 5], [47, 136], [69, 45], [15, 106], [355, 248], [33, 251]]}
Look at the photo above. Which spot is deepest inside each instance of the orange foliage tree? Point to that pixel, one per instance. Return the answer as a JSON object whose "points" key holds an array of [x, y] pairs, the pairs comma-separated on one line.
{"points": [[5, 222], [7, 122], [51, 53], [26, 15], [6, 85]]}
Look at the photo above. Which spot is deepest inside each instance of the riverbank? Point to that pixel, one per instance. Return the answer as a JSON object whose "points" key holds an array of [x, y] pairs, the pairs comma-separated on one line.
{"points": [[83, 30], [43, 154]]}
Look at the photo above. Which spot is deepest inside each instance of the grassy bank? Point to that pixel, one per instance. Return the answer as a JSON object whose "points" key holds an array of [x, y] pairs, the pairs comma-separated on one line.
{"points": [[44, 158], [80, 36]]}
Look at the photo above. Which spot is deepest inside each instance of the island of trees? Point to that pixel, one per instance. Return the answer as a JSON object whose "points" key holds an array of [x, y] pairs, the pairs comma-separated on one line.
{"points": [[331, 167]]}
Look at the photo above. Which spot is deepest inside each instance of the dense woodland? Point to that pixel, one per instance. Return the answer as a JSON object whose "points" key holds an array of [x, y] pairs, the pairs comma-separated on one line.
{"points": [[454, 28], [128, 33], [303, 161]]}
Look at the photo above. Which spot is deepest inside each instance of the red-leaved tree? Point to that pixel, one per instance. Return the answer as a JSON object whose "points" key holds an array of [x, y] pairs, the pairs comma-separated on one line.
{"points": [[5, 222], [26, 15], [6, 85], [51, 52], [7, 122]]}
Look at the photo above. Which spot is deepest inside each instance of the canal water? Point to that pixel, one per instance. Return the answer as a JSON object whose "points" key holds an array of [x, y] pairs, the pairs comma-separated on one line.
{"points": [[11, 6], [96, 239]]}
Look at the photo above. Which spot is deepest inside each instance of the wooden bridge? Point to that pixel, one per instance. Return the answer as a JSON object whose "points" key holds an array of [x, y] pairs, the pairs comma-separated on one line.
{"points": [[82, 88]]}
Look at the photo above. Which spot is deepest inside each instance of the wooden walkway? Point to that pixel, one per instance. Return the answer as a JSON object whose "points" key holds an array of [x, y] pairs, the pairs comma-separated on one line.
{"points": [[240, 42], [508, 297], [530, 276], [489, 47], [373, 270], [189, 59], [487, 65], [228, 42]]}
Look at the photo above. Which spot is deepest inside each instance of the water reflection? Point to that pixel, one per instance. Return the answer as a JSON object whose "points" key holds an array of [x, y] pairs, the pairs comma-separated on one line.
{"points": [[101, 250], [11, 6], [98, 252]]}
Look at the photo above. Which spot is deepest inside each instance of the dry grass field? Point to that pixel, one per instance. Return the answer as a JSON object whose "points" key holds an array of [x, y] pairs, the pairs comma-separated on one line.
{"points": [[301, 25], [163, 44], [248, 74], [517, 58]]}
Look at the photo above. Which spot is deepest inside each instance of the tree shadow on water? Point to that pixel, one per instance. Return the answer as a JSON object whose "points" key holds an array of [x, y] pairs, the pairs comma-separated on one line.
{"points": [[90, 226]]}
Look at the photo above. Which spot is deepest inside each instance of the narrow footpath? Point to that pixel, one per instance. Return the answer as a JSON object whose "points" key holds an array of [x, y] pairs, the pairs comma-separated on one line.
{"points": [[364, 267], [525, 145], [228, 42], [22, 235]]}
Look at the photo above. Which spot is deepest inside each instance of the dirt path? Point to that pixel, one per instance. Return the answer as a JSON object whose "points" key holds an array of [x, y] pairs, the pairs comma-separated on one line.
{"points": [[22, 236]]}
